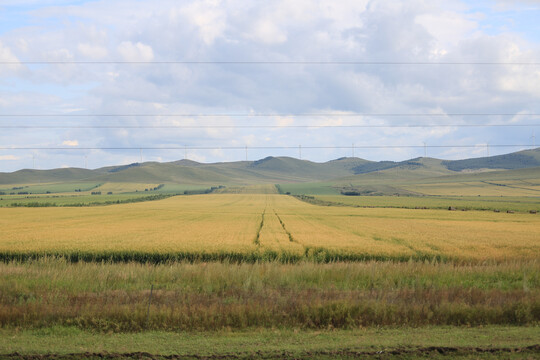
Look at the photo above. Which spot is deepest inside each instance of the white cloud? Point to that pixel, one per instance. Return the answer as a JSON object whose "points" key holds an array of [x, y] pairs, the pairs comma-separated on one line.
{"points": [[280, 30], [447, 28], [135, 52], [268, 32], [6, 55], [92, 51], [9, 157], [208, 17], [62, 54], [70, 143]]}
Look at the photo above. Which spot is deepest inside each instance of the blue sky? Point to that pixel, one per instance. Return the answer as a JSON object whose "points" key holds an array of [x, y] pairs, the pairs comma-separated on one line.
{"points": [[224, 30]]}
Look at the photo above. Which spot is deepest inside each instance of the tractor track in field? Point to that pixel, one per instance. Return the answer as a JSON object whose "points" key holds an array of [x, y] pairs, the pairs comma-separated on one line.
{"points": [[344, 353], [257, 240], [291, 239]]}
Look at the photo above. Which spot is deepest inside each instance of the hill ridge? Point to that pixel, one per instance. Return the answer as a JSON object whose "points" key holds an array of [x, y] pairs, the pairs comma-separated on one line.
{"points": [[269, 169]]}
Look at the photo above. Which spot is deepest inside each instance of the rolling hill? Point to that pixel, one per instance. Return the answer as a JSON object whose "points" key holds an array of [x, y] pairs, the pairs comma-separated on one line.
{"points": [[278, 170]]}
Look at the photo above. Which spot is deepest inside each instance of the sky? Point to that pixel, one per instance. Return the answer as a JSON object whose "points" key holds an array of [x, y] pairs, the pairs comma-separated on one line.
{"points": [[316, 79]]}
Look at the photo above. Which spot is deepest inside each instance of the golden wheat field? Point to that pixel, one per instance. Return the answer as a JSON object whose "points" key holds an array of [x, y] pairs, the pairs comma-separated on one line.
{"points": [[251, 223]]}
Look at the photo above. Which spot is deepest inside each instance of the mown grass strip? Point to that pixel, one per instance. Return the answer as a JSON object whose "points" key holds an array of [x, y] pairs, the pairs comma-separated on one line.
{"points": [[275, 343]]}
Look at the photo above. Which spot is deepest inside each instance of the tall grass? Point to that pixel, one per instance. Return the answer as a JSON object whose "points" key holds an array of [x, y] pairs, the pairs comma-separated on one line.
{"points": [[207, 296]]}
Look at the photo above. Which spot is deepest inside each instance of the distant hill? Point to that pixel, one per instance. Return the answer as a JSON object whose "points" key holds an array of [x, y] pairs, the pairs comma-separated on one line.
{"points": [[27, 176], [270, 170], [517, 160]]}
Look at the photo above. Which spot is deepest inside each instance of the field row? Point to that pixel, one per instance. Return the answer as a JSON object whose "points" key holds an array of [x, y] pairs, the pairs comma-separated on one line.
{"points": [[265, 226]]}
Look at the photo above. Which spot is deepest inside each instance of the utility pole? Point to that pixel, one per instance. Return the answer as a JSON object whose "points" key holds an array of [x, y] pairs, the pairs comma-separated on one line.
{"points": [[487, 149], [425, 149], [141, 155], [300, 151], [533, 137], [353, 150], [185, 152], [33, 161], [246, 153]]}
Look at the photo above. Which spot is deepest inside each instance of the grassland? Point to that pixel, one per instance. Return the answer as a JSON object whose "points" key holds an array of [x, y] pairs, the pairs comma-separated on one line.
{"points": [[484, 203], [253, 227], [194, 297], [57, 187], [478, 188], [430, 179]]}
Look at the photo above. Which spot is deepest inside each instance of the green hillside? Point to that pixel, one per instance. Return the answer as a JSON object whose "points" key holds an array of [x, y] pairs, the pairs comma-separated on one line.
{"points": [[27, 176], [518, 160], [379, 176]]}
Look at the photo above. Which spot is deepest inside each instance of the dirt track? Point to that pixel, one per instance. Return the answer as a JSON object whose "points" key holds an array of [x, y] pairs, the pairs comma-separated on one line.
{"points": [[533, 350]]}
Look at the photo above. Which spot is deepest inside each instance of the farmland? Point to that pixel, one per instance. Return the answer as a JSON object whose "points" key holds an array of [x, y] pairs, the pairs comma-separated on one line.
{"points": [[257, 226], [89, 194], [198, 265]]}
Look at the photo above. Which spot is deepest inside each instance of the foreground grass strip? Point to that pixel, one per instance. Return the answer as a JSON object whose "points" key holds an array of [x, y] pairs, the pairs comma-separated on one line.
{"points": [[209, 296], [429, 342], [432, 352]]}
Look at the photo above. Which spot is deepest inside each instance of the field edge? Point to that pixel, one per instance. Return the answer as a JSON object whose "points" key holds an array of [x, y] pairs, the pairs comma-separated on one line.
{"points": [[65, 342]]}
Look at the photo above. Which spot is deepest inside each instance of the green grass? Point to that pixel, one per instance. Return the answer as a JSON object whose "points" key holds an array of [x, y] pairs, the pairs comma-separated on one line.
{"points": [[319, 188], [171, 188], [77, 200], [59, 197], [520, 204], [459, 342], [67, 187], [210, 296]]}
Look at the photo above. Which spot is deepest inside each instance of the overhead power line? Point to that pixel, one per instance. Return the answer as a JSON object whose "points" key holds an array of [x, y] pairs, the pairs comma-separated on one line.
{"points": [[266, 62], [254, 126], [277, 115], [267, 147]]}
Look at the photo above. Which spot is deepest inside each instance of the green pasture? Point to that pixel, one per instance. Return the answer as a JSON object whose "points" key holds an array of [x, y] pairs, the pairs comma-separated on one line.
{"points": [[316, 188], [49, 187], [491, 203]]}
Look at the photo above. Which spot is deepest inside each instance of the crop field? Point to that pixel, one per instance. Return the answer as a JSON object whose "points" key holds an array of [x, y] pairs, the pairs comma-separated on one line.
{"points": [[250, 227], [250, 263]]}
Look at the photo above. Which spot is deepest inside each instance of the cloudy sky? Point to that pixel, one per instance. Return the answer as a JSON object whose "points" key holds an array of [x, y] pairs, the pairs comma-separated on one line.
{"points": [[212, 77]]}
